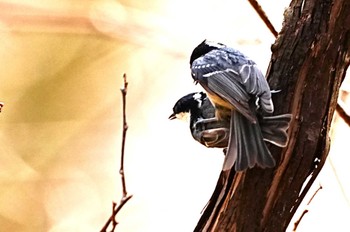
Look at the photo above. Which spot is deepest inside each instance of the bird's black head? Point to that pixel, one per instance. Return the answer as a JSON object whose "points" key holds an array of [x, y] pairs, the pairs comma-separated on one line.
{"points": [[190, 103], [203, 48]]}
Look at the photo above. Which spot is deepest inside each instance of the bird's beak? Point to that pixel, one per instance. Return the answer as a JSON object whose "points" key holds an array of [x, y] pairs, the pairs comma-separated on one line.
{"points": [[172, 116]]}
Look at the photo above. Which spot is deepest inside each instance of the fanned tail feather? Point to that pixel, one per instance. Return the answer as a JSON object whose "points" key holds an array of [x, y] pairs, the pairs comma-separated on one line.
{"points": [[274, 129], [246, 146]]}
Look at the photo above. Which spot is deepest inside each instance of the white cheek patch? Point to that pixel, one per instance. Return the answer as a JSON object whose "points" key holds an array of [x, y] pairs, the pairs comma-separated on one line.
{"points": [[183, 116]]}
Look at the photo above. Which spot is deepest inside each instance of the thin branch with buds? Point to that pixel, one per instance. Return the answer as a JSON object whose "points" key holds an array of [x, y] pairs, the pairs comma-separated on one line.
{"points": [[125, 198]]}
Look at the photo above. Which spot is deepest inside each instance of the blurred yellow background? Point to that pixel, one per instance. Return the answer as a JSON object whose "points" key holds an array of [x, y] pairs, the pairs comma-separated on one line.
{"points": [[60, 129]]}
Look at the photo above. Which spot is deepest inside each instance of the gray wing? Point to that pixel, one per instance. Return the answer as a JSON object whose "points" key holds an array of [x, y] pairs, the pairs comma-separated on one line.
{"points": [[217, 137], [255, 83], [234, 80], [211, 132], [225, 85]]}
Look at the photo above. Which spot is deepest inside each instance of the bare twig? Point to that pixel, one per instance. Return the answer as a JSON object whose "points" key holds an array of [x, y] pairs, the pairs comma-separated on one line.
{"points": [[313, 196], [125, 198], [125, 128], [296, 223], [263, 16]]}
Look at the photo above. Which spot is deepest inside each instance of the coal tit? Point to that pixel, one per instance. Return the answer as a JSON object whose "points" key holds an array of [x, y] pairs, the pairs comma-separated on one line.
{"points": [[239, 91], [214, 132], [210, 133]]}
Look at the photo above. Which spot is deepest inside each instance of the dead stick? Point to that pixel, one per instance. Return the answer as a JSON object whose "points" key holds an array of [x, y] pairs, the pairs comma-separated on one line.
{"points": [[263, 16], [125, 198], [125, 128], [296, 224]]}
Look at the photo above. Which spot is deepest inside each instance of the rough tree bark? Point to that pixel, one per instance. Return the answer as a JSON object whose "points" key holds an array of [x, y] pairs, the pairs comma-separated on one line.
{"points": [[308, 63]]}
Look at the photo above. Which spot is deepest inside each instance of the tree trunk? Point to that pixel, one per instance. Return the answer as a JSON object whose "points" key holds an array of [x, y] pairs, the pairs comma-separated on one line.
{"points": [[308, 63]]}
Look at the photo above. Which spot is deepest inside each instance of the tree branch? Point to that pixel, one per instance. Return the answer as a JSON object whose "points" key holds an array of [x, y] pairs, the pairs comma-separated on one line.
{"points": [[308, 63], [296, 224], [263, 16], [125, 198], [125, 128]]}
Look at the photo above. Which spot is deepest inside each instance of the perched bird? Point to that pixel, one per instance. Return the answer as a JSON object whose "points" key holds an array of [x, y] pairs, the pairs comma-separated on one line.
{"points": [[210, 133], [239, 91], [214, 132]]}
